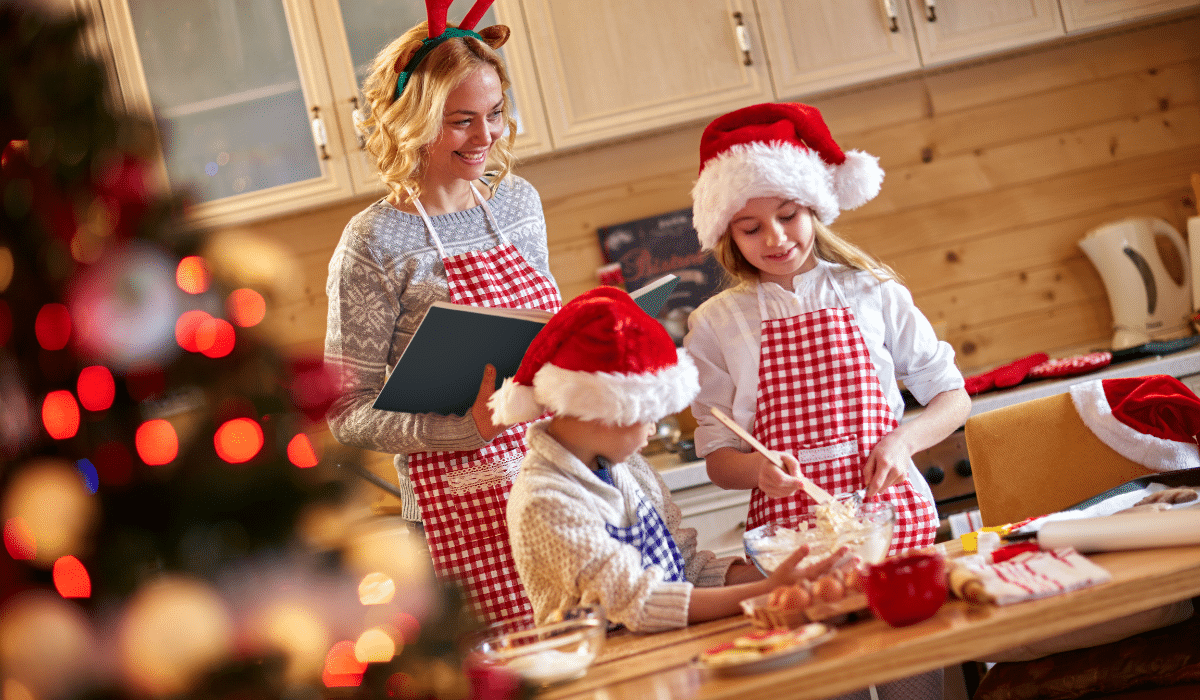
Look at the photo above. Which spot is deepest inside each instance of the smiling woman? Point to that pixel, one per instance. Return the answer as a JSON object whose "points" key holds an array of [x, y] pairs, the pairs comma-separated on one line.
{"points": [[451, 229]]}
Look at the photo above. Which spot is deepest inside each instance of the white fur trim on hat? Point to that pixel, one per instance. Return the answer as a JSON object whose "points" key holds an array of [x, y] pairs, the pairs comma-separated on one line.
{"points": [[514, 403], [611, 397], [1147, 450]]}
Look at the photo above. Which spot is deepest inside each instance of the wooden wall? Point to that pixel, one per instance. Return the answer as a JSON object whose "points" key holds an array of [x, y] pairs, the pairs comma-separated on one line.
{"points": [[994, 171]]}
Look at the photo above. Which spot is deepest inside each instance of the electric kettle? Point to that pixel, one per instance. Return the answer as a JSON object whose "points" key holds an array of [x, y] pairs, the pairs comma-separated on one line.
{"points": [[1148, 303]]}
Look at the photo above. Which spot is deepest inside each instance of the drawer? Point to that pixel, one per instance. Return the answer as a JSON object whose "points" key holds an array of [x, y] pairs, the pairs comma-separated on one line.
{"points": [[718, 515]]}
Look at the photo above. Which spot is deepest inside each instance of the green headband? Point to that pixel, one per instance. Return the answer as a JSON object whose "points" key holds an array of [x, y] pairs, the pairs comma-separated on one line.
{"points": [[427, 46]]}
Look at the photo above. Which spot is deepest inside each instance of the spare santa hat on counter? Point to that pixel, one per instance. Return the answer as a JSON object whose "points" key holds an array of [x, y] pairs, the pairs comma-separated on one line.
{"points": [[1151, 420]]}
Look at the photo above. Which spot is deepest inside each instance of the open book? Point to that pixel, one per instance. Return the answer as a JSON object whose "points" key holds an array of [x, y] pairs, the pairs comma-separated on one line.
{"points": [[440, 370]]}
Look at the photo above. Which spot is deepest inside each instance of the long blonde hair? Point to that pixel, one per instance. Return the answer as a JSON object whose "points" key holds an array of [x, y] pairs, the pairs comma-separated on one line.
{"points": [[827, 246], [400, 129]]}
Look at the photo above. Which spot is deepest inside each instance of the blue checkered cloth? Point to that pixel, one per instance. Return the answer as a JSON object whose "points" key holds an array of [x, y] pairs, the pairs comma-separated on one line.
{"points": [[649, 535]]}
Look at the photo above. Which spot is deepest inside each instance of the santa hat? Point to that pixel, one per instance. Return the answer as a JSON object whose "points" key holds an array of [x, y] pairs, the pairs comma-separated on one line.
{"points": [[601, 357], [1150, 420], [776, 150]]}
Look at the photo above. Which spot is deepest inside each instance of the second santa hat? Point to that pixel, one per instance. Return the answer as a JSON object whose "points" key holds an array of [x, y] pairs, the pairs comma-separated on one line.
{"points": [[1152, 420], [776, 150], [599, 358]]}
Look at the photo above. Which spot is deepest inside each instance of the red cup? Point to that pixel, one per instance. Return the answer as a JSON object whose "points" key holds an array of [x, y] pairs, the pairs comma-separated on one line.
{"points": [[907, 589]]}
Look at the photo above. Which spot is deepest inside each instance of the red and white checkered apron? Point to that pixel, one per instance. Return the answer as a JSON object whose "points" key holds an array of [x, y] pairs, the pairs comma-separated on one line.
{"points": [[463, 495], [819, 399]]}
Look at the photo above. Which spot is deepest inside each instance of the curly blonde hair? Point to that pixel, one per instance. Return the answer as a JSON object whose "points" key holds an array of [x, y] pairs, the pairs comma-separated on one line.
{"points": [[827, 246], [398, 130]]}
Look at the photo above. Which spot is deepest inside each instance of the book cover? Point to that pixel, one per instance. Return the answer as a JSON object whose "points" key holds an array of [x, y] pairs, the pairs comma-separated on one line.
{"points": [[440, 370]]}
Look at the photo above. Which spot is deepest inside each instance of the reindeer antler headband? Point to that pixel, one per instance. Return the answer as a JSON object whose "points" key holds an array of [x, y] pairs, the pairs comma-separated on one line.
{"points": [[436, 11]]}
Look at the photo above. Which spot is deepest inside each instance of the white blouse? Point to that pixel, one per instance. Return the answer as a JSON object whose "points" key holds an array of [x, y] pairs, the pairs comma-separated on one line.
{"points": [[724, 336]]}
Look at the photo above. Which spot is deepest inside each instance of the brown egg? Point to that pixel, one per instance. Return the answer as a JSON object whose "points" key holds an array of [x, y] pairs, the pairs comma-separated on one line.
{"points": [[829, 589]]}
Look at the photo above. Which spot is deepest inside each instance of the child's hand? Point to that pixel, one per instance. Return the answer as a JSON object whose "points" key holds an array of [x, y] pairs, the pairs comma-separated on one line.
{"points": [[886, 465], [790, 571], [775, 482]]}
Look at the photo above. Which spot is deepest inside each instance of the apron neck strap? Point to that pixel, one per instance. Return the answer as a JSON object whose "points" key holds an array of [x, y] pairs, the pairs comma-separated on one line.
{"points": [[433, 232]]}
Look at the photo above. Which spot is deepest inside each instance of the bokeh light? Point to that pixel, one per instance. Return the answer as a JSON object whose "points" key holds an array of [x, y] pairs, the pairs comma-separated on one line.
{"points": [[57, 512], [185, 328], [191, 274], [5, 322], [156, 442], [87, 471], [238, 440], [18, 540], [342, 667], [53, 326], [299, 633], [71, 578], [215, 337], [96, 388], [301, 452], [60, 414], [48, 648], [374, 646], [376, 588], [6, 267], [246, 307]]}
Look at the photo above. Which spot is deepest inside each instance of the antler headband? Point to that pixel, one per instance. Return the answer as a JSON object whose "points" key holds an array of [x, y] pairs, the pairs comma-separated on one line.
{"points": [[436, 11]]}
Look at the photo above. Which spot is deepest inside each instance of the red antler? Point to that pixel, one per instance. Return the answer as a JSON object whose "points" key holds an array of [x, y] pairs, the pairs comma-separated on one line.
{"points": [[435, 11], [476, 13]]}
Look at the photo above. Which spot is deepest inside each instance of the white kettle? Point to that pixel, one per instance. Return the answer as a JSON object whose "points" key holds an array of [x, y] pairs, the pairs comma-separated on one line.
{"points": [[1147, 302]]}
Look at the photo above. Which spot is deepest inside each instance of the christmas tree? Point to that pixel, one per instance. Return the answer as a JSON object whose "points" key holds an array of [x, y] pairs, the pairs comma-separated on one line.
{"points": [[172, 527]]}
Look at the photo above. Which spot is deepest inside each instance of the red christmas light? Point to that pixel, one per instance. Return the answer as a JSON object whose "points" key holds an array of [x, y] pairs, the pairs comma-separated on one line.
{"points": [[246, 307], [60, 414], [156, 442], [71, 578], [191, 274], [186, 327], [238, 440], [53, 326], [215, 337], [301, 452], [96, 388], [18, 539]]}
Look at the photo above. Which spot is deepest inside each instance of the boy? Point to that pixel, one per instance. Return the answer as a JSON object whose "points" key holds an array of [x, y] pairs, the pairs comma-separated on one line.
{"points": [[590, 521]]}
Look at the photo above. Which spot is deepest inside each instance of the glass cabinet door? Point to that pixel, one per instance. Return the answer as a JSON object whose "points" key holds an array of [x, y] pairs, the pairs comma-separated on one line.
{"points": [[239, 95]]}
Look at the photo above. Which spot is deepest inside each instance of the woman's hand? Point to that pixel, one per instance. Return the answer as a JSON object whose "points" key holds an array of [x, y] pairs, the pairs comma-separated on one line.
{"points": [[480, 411], [776, 482], [886, 465]]}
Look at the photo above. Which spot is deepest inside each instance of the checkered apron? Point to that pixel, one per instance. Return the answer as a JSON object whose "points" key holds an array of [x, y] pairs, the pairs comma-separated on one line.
{"points": [[463, 495], [649, 535], [819, 399]]}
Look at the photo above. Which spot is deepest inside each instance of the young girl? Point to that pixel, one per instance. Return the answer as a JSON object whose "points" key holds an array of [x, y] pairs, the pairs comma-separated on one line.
{"points": [[590, 521], [438, 114], [806, 350]]}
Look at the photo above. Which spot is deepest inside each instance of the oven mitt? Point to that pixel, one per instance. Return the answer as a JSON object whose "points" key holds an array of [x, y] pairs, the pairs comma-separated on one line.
{"points": [[1004, 376], [1071, 366]]}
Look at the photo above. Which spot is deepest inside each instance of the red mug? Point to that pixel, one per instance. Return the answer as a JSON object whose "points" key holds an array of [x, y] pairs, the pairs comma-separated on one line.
{"points": [[906, 589]]}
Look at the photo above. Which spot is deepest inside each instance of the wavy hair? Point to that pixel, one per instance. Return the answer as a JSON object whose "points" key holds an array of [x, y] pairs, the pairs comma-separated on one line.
{"points": [[399, 130]]}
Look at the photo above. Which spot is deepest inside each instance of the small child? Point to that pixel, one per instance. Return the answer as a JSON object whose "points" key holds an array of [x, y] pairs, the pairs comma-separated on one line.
{"points": [[589, 520]]}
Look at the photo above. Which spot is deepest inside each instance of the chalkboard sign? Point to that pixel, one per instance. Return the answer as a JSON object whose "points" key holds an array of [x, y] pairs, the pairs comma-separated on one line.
{"points": [[649, 248]]}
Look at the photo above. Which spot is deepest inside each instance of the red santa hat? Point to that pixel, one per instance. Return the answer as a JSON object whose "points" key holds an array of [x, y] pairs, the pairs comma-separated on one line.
{"points": [[601, 357], [776, 150], [1150, 420]]}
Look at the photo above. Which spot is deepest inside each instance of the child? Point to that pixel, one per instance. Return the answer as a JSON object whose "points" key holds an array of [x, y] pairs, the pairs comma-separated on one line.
{"points": [[589, 520], [806, 350]]}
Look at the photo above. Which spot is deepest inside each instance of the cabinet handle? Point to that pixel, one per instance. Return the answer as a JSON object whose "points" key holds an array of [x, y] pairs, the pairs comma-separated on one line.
{"points": [[889, 9], [356, 118], [319, 135], [743, 39], [931, 10]]}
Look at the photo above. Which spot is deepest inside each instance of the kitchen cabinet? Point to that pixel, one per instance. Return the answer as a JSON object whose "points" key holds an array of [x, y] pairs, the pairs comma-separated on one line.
{"points": [[1089, 14], [948, 30], [719, 517], [255, 100]]}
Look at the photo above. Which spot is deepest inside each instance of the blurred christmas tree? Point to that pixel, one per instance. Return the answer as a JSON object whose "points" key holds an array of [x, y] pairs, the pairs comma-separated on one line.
{"points": [[170, 527]]}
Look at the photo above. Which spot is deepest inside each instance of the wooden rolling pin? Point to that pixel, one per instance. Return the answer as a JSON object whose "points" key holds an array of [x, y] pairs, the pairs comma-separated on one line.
{"points": [[818, 494]]}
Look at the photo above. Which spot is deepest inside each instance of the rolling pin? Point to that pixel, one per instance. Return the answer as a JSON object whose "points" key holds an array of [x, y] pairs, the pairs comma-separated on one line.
{"points": [[1110, 533]]}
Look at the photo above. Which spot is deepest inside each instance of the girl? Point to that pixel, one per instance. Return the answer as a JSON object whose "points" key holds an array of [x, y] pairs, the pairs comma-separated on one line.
{"points": [[806, 350], [438, 112]]}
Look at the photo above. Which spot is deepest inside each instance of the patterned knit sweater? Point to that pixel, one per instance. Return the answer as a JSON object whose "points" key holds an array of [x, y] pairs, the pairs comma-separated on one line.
{"points": [[384, 274], [557, 515]]}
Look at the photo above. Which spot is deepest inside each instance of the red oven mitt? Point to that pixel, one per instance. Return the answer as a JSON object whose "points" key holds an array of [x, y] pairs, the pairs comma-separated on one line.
{"points": [[1071, 366]]}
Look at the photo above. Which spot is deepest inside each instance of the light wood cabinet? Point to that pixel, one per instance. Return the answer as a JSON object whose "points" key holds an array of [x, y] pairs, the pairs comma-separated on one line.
{"points": [[1080, 15], [951, 30], [719, 517], [255, 99]]}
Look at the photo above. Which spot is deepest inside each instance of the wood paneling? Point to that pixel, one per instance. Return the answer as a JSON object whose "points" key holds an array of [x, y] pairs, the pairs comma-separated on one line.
{"points": [[994, 171]]}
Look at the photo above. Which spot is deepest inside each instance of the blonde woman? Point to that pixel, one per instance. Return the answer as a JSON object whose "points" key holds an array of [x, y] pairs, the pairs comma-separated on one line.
{"points": [[449, 230]]}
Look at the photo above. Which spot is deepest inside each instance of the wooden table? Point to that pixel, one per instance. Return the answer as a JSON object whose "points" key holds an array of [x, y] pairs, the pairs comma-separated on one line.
{"points": [[869, 652]]}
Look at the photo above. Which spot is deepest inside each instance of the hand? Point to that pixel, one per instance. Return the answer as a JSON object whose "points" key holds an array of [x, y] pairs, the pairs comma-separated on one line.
{"points": [[488, 429], [789, 570], [886, 465], [776, 482]]}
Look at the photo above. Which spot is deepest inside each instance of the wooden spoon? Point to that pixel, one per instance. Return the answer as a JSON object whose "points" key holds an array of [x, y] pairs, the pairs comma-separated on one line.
{"points": [[818, 494]]}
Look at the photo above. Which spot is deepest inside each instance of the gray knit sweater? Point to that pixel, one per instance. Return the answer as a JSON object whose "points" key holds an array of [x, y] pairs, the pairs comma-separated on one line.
{"points": [[384, 274]]}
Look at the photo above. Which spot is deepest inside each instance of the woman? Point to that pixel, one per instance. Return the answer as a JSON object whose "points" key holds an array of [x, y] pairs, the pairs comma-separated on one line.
{"points": [[446, 232]]}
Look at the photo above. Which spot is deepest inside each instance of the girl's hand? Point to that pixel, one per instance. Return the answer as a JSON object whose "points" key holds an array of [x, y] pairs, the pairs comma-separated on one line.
{"points": [[488, 430], [790, 571], [886, 465], [775, 482]]}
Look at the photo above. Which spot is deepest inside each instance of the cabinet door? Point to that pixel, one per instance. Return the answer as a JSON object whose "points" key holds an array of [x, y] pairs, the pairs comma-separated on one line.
{"points": [[240, 96], [818, 45], [950, 30], [609, 69], [719, 517], [366, 27], [1088, 14]]}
